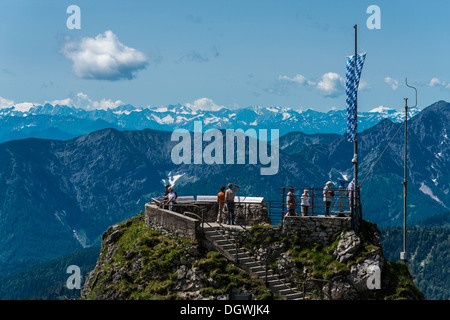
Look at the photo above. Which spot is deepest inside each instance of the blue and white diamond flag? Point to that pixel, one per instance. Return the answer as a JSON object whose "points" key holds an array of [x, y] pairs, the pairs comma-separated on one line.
{"points": [[351, 90]]}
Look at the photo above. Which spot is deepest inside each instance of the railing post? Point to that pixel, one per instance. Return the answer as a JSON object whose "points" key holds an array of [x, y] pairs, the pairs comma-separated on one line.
{"points": [[312, 201], [304, 290], [203, 220], [236, 242], [282, 205], [359, 209], [352, 211], [265, 280]]}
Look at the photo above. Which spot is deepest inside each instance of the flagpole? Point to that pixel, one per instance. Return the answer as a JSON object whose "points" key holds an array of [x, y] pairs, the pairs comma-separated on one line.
{"points": [[353, 72], [355, 151]]}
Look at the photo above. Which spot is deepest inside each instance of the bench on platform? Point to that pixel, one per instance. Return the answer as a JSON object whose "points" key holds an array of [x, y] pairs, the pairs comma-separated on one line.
{"points": [[252, 200], [185, 199], [207, 198]]}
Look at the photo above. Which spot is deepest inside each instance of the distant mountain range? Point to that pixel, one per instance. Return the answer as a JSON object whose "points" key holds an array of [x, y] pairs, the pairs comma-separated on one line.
{"points": [[310, 160], [58, 196], [64, 122]]}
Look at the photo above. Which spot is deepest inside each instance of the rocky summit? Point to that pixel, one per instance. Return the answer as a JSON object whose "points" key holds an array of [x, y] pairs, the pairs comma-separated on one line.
{"points": [[148, 262]]}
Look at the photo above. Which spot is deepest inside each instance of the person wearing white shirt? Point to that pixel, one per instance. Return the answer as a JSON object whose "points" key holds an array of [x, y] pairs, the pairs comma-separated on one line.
{"points": [[229, 200], [171, 197], [327, 197], [305, 202]]}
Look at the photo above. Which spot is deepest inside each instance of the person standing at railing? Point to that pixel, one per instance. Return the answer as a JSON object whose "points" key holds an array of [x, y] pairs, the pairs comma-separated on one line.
{"points": [[305, 202], [291, 203], [229, 199], [328, 195], [221, 203], [351, 194], [172, 197], [166, 194]]}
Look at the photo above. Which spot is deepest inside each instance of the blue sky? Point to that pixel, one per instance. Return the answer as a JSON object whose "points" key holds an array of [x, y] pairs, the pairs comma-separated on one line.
{"points": [[222, 53]]}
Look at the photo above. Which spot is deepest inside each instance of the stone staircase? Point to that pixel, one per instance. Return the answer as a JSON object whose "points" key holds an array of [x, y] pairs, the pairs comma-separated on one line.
{"points": [[224, 242]]}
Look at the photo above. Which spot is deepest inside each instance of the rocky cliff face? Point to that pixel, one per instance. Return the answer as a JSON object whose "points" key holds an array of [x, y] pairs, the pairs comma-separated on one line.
{"points": [[137, 262], [350, 267]]}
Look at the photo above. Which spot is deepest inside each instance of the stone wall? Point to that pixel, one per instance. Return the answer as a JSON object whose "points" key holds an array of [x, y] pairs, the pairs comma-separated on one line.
{"points": [[317, 229], [176, 223]]}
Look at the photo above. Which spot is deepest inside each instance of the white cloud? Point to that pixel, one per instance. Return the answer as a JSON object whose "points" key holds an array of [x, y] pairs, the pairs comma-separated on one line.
{"points": [[82, 100], [20, 106], [363, 85], [204, 104], [6, 103], [61, 102], [435, 82], [104, 58], [392, 82], [297, 79], [329, 85]]}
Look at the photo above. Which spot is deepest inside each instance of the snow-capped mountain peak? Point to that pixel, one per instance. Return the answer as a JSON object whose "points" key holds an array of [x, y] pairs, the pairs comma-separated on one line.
{"points": [[382, 109], [172, 117]]}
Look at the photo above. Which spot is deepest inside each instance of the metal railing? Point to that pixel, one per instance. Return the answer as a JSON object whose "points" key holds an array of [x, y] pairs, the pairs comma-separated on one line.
{"points": [[171, 206], [343, 203], [241, 210]]}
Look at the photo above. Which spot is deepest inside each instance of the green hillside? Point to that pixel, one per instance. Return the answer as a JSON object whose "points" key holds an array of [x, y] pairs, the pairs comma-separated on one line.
{"points": [[47, 281], [428, 249]]}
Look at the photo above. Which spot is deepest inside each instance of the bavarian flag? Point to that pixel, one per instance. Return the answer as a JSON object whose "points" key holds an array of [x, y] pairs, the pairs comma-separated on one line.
{"points": [[351, 90]]}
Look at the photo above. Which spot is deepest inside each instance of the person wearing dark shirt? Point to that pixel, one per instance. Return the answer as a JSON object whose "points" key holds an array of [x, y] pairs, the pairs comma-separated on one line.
{"points": [[229, 199]]}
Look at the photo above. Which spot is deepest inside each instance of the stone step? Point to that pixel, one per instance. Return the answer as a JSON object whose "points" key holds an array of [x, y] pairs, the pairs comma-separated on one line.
{"points": [[294, 296], [246, 261], [256, 267], [232, 253], [249, 265], [240, 256], [279, 285], [286, 291], [260, 273], [214, 234], [227, 245], [274, 284]]}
